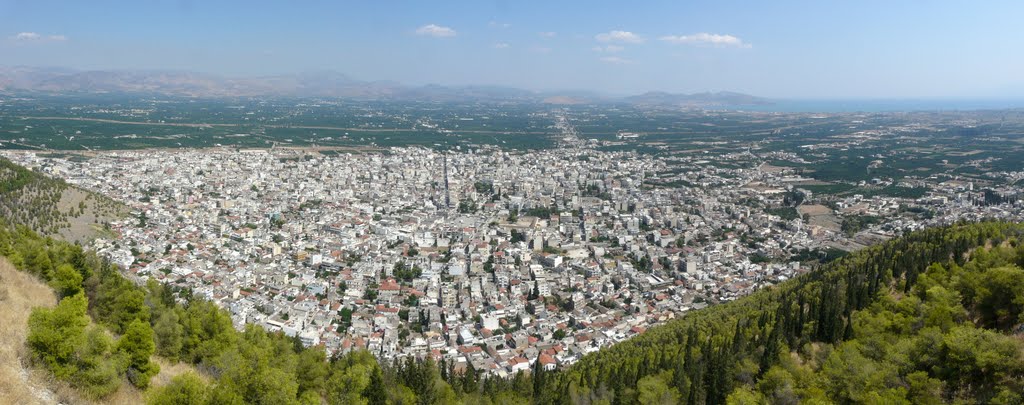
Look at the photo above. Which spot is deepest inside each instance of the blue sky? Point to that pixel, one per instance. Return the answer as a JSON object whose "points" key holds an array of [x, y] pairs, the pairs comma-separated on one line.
{"points": [[797, 49]]}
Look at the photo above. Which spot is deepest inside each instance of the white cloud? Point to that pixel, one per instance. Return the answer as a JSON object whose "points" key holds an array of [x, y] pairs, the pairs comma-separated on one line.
{"points": [[434, 30], [27, 36], [619, 36], [495, 24], [609, 48], [547, 34], [501, 45], [36, 37], [616, 60], [704, 38]]}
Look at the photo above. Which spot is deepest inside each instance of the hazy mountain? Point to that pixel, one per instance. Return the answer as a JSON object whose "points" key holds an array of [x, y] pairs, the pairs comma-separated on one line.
{"points": [[721, 98], [434, 92], [180, 83], [316, 84]]}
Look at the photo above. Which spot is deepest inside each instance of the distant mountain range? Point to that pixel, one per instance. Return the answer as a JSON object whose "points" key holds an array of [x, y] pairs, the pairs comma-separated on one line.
{"points": [[21, 79], [696, 99]]}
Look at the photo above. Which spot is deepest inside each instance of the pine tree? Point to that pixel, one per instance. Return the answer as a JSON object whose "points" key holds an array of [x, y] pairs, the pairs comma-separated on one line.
{"points": [[137, 343], [539, 378], [376, 392]]}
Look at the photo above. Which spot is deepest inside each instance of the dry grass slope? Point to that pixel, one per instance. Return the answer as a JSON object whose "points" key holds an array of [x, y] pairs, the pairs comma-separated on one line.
{"points": [[88, 211], [20, 383], [19, 293]]}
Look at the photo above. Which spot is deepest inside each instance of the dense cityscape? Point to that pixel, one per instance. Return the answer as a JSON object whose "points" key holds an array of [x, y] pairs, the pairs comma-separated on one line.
{"points": [[489, 258], [511, 203]]}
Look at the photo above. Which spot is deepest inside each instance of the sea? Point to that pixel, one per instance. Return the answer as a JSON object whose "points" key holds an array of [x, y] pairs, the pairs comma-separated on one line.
{"points": [[853, 106]]}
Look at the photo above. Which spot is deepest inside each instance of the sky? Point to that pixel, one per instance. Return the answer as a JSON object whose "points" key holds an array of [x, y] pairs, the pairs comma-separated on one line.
{"points": [[817, 49]]}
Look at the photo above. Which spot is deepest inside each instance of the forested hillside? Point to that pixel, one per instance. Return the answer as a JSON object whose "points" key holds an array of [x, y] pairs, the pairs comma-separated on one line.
{"points": [[929, 318], [51, 206]]}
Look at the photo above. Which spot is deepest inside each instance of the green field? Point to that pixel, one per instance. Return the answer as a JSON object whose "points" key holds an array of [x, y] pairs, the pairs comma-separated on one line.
{"points": [[842, 148]]}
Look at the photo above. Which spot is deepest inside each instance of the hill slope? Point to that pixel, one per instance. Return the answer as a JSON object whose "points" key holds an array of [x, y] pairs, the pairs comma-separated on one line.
{"points": [[51, 206], [19, 293], [928, 318], [20, 381]]}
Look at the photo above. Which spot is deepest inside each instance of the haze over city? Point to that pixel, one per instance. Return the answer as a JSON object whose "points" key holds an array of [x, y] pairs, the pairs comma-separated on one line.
{"points": [[789, 49]]}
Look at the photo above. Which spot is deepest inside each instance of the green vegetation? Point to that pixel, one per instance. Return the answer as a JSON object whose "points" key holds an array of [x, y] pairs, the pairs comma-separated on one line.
{"points": [[517, 236], [34, 200], [187, 388], [787, 213], [818, 255], [894, 191], [540, 212], [926, 318], [46, 123], [404, 272], [883, 325], [552, 250], [467, 206], [856, 223], [30, 199], [483, 187], [62, 339], [819, 146], [252, 366], [677, 183], [64, 342]]}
